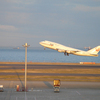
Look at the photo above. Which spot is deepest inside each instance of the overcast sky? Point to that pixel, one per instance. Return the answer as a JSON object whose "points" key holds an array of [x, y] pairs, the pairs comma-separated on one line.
{"points": [[74, 23]]}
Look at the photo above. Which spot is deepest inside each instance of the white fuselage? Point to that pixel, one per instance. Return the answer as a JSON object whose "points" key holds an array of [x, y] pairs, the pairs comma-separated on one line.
{"points": [[65, 49]]}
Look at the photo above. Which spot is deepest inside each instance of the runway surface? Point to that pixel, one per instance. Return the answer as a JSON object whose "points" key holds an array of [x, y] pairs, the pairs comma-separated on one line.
{"points": [[47, 66], [51, 74], [44, 91]]}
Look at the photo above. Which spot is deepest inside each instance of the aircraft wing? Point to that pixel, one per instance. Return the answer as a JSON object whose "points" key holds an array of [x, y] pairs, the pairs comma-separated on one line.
{"points": [[68, 51]]}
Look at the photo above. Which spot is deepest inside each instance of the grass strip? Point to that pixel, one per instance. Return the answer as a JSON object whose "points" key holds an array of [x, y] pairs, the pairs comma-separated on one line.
{"points": [[68, 71], [51, 78]]}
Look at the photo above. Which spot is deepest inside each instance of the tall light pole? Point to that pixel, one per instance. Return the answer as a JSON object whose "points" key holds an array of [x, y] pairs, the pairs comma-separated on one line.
{"points": [[26, 45]]}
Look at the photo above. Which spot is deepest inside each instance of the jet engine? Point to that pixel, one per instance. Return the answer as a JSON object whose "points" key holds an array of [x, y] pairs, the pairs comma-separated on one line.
{"points": [[68, 52], [61, 50]]}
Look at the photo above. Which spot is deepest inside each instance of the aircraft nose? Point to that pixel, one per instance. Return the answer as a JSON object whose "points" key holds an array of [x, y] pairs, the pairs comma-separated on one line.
{"points": [[41, 42]]}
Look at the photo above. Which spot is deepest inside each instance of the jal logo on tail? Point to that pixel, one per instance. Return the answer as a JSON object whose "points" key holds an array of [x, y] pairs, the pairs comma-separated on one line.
{"points": [[97, 49]]}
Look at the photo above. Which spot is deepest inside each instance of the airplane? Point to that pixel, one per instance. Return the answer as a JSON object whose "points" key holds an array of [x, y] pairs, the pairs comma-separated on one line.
{"points": [[69, 50]]}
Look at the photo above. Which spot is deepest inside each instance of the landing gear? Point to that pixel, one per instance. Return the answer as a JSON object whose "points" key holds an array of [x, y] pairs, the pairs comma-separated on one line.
{"points": [[65, 54]]}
